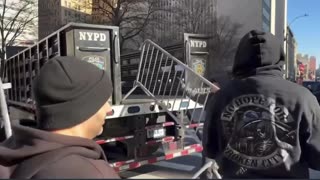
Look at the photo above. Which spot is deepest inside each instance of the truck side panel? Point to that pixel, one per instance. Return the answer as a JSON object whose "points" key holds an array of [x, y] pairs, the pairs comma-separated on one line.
{"points": [[93, 43]]}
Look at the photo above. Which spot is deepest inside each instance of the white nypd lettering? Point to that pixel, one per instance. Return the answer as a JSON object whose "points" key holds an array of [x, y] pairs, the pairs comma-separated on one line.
{"points": [[92, 36], [198, 44]]}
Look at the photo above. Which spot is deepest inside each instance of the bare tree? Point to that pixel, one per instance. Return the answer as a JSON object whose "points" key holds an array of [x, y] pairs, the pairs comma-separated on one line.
{"points": [[132, 16], [193, 16], [15, 17], [200, 17], [225, 41]]}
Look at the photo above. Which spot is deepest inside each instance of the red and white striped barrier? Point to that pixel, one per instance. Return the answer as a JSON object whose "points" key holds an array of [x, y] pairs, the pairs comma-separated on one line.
{"points": [[163, 140], [169, 156], [114, 139], [131, 164]]}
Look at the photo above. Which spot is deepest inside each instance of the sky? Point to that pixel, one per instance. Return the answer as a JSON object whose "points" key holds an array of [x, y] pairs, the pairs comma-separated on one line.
{"points": [[307, 29]]}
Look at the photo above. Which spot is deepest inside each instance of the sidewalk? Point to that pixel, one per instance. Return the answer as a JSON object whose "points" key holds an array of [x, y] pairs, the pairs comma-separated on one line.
{"points": [[314, 174]]}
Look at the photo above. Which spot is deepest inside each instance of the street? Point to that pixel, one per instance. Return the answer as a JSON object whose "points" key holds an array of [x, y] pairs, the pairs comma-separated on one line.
{"points": [[179, 168]]}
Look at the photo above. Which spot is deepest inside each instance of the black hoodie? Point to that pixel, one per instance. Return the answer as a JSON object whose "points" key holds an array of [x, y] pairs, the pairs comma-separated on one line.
{"points": [[33, 153], [260, 125]]}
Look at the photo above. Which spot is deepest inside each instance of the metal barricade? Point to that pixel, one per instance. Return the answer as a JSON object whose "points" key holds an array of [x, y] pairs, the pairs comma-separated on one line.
{"points": [[4, 109], [169, 82]]}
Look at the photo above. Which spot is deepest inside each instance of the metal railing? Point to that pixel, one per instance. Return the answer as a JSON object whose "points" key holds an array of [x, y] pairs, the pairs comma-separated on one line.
{"points": [[130, 65], [171, 83], [4, 109]]}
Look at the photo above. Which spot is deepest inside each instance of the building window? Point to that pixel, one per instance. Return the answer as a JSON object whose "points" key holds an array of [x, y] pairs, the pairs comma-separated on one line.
{"points": [[267, 3], [265, 27], [266, 15]]}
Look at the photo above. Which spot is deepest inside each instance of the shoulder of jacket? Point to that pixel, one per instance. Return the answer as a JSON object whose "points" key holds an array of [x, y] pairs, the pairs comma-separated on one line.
{"points": [[75, 165], [95, 164], [102, 167]]}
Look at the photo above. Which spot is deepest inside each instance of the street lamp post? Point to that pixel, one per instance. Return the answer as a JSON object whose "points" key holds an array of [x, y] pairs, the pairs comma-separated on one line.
{"points": [[287, 42]]}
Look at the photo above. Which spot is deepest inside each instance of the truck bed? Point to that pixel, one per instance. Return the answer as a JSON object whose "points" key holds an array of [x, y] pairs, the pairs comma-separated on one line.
{"points": [[136, 99]]}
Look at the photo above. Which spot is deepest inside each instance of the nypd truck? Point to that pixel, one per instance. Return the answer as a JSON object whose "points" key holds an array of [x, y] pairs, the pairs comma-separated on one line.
{"points": [[156, 96]]}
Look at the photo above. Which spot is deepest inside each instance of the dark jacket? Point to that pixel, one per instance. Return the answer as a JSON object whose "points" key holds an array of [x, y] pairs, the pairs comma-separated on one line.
{"points": [[33, 153], [260, 125]]}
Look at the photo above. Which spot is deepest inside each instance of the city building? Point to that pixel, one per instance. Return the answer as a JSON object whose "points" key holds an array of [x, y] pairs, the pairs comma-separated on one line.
{"points": [[309, 67], [29, 35], [53, 14], [222, 19], [176, 17], [303, 63], [267, 15], [291, 62], [318, 74], [312, 68]]}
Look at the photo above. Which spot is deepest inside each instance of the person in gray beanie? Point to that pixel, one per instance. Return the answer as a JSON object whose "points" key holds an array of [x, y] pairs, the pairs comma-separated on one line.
{"points": [[72, 102]]}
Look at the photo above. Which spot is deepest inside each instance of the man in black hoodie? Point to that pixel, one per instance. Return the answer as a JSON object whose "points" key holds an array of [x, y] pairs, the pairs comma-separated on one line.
{"points": [[260, 125], [72, 102]]}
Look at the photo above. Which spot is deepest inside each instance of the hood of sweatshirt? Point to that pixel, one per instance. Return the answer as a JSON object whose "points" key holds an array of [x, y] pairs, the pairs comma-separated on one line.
{"points": [[258, 53]]}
